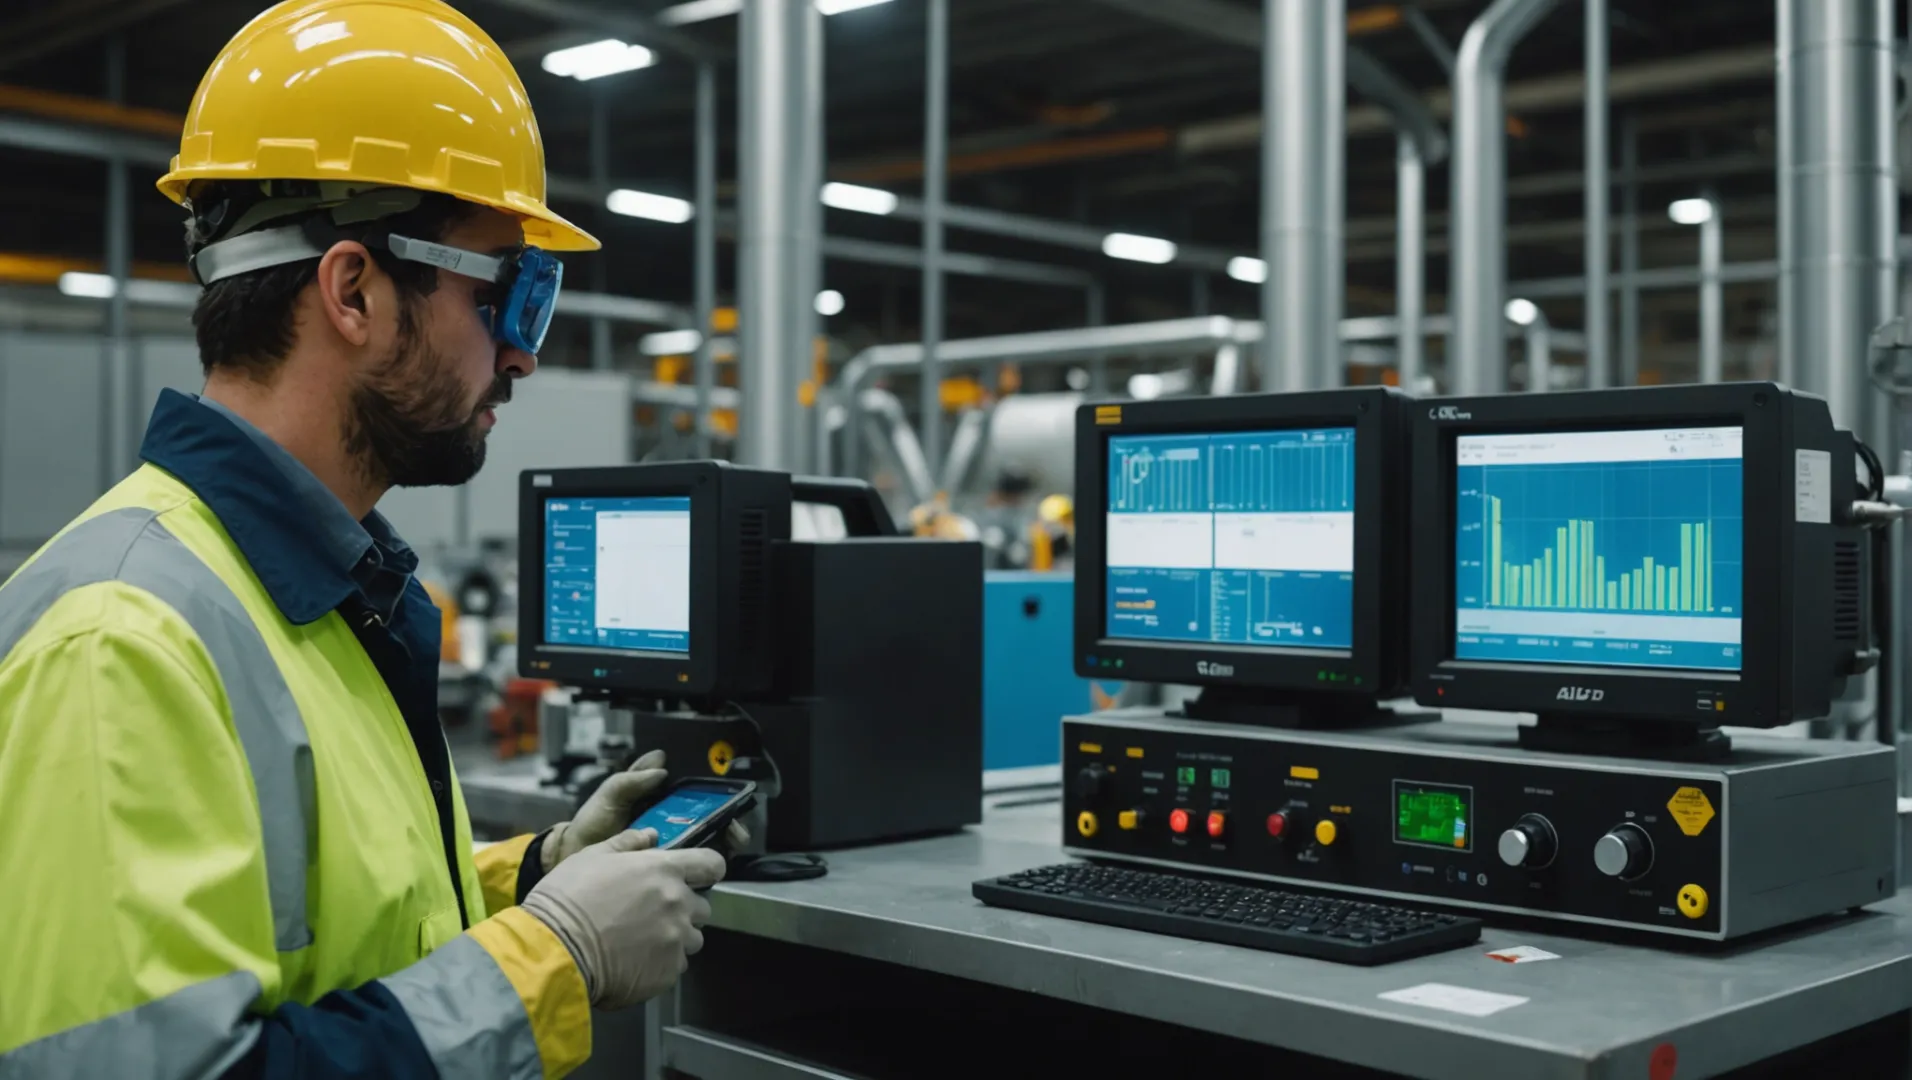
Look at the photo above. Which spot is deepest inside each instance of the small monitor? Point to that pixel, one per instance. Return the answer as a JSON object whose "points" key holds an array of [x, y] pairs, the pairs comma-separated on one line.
{"points": [[650, 579], [1246, 544], [1676, 557]]}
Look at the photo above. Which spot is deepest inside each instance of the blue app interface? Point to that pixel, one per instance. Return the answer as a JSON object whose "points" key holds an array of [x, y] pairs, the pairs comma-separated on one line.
{"points": [[680, 811], [1244, 538], [617, 573]]}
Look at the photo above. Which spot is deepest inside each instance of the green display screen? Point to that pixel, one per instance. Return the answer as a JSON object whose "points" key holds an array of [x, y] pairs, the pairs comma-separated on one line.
{"points": [[1432, 815]]}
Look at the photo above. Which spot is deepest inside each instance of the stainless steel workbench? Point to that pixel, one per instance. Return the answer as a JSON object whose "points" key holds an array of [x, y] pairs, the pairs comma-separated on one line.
{"points": [[1600, 1010]]}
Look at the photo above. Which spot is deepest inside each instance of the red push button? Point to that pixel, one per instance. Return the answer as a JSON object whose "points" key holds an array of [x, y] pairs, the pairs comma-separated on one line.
{"points": [[1277, 824], [1217, 823], [1178, 821]]}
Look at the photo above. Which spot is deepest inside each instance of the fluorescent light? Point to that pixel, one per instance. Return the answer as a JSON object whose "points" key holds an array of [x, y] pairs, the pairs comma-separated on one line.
{"points": [[598, 59], [864, 200], [829, 302], [1522, 312], [1243, 268], [94, 286], [1690, 211], [1145, 387], [697, 11], [643, 204], [670, 342], [1146, 249]]}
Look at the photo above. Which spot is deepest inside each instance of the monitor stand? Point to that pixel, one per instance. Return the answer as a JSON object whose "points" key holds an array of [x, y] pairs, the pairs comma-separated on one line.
{"points": [[1283, 709], [1665, 740]]}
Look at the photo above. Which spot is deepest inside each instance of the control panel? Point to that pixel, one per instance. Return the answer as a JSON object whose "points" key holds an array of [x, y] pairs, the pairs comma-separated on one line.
{"points": [[1588, 841]]}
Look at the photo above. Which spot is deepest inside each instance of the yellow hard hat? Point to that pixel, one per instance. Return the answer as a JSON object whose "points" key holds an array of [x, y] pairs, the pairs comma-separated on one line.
{"points": [[1057, 510], [400, 93]]}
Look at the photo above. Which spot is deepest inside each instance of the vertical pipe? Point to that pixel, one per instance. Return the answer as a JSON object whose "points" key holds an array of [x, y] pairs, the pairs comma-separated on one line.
{"points": [[1199, 301], [1712, 309], [601, 182], [1629, 251], [120, 421], [1410, 257], [1838, 213], [1539, 339], [772, 65], [1303, 151], [1784, 121], [1097, 313], [1599, 361], [935, 191], [1477, 360], [705, 258], [807, 330]]}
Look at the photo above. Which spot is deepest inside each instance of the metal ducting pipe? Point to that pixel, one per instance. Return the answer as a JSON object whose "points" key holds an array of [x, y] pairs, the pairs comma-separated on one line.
{"points": [[1410, 257], [780, 95], [1838, 199], [1302, 174], [1477, 353]]}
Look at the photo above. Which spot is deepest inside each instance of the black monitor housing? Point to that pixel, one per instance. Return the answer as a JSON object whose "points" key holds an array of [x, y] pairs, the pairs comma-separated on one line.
{"points": [[1276, 683], [1803, 573], [735, 515]]}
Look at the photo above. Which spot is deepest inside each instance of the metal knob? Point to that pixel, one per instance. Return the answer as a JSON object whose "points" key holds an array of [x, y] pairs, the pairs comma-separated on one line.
{"points": [[1529, 843], [1625, 852]]}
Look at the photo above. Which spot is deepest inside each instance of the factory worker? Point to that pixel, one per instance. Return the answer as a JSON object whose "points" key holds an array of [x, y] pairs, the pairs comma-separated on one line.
{"points": [[233, 840]]}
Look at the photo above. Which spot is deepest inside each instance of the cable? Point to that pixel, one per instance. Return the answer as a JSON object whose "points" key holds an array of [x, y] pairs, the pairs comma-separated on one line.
{"points": [[1875, 471]]}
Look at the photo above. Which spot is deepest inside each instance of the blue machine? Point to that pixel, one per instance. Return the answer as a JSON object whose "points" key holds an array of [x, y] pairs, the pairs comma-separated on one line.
{"points": [[1029, 679]]}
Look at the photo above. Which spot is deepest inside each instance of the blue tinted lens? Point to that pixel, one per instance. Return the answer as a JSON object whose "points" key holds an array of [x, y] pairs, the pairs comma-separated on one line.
{"points": [[526, 314]]}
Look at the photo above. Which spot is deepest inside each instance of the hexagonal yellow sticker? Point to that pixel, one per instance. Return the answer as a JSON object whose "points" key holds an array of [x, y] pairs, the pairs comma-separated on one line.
{"points": [[1691, 810]]}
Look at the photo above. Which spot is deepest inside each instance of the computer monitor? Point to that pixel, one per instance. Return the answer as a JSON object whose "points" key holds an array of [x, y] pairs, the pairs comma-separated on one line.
{"points": [[1250, 545], [650, 579], [1636, 566]]}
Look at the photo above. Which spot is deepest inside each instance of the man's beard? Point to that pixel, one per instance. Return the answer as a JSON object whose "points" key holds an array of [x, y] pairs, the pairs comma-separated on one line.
{"points": [[408, 425]]}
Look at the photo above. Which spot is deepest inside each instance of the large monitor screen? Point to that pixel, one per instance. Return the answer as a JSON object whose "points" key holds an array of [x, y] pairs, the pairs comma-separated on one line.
{"points": [[1617, 548], [617, 573], [1239, 539]]}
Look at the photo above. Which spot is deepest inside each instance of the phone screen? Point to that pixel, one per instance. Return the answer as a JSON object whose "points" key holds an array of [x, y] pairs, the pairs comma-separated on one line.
{"points": [[681, 810]]}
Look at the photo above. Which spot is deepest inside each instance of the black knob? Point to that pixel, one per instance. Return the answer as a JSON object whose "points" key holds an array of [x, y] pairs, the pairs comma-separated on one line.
{"points": [[1625, 852], [1090, 782], [1530, 843]]}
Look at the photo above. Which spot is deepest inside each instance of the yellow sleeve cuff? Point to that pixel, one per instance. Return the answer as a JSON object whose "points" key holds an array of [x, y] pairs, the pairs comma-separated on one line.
{"points": [[547, 980], [498, 871]]}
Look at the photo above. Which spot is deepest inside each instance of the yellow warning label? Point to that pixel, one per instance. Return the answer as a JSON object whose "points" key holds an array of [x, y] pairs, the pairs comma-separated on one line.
{"points": [[1691, 809], [1108, 414], [720, 756]]}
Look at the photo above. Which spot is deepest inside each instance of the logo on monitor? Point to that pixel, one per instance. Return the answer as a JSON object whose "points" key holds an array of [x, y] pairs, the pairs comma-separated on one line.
{"points": [[1448, 412], [1217, 671], [1579, 693]]}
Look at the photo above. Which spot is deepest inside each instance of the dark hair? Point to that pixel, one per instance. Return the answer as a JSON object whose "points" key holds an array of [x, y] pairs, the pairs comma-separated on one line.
{"points": [[245, 323]]}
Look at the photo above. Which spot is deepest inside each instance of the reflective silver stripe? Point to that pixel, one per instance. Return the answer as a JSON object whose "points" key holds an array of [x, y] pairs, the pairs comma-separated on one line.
{"points": [[467, 1013], [200, 1031], [131, 546]]}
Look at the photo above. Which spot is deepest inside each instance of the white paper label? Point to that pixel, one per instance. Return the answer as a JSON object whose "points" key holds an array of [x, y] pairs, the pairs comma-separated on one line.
{"points": [[1454, 999], [1812, 486], [1522, 954]]}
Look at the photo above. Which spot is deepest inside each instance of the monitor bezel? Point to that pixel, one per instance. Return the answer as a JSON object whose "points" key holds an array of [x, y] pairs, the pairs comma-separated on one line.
{"points": [[1361, 669], [1746, 696], [688, 673]]}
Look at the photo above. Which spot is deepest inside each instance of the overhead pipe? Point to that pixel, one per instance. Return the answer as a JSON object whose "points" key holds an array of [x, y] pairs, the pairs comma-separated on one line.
{"points": [[1599, 369], [1302, 171], [1476, 360], [1838, 199]]}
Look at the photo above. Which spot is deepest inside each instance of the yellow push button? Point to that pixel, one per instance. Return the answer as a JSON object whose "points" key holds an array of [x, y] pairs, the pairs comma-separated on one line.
{"points": [[1129, 820], [1324, 832], [1086, 823], [1693, 902]]}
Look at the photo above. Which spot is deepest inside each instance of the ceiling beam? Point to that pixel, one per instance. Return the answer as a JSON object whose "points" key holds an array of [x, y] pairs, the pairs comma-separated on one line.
{"points": [[624, 25], [75, 25]]}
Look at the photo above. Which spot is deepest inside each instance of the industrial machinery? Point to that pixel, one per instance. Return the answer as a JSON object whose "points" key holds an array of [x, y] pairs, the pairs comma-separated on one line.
{"points": [[842, 676], [1584, 557]]}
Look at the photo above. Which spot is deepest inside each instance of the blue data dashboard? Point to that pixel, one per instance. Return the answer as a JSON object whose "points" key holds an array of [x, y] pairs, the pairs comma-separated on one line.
{"points": [[1242, 538], [1617, 548], [617, 573]]}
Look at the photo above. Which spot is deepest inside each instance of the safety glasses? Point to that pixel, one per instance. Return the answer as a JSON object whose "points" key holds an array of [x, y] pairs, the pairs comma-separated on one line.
{"points": [[525, 293]]}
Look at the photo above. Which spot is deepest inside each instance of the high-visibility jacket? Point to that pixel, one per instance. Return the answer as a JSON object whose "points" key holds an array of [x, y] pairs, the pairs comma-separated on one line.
{"points": [[230, 835]]}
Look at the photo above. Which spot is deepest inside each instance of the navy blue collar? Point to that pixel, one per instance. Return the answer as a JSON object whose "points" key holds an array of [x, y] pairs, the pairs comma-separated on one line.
{"points": [[304, 555]]}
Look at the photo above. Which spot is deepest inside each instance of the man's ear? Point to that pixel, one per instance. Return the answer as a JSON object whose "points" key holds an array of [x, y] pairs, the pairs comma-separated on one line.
{"points": [[343, 279]]}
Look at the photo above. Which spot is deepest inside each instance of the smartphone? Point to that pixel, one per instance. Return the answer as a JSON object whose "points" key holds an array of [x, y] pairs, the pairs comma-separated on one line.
{"points": [[695, 810]]}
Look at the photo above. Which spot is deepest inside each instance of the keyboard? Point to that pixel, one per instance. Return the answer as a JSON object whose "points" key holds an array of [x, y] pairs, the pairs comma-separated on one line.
{"points": [[1344, 930]]}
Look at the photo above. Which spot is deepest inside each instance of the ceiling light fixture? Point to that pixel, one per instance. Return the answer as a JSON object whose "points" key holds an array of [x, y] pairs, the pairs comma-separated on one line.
{"points": [[1145, 249], [598, 59], [643, 204]]}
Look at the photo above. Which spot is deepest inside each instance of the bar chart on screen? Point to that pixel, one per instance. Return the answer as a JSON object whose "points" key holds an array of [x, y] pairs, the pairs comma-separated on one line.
{"points": [[1601, 547]]}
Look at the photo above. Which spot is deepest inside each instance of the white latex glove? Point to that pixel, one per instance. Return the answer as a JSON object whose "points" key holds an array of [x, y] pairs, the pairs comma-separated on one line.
{"points": [[607, 812], [629, 915]]}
